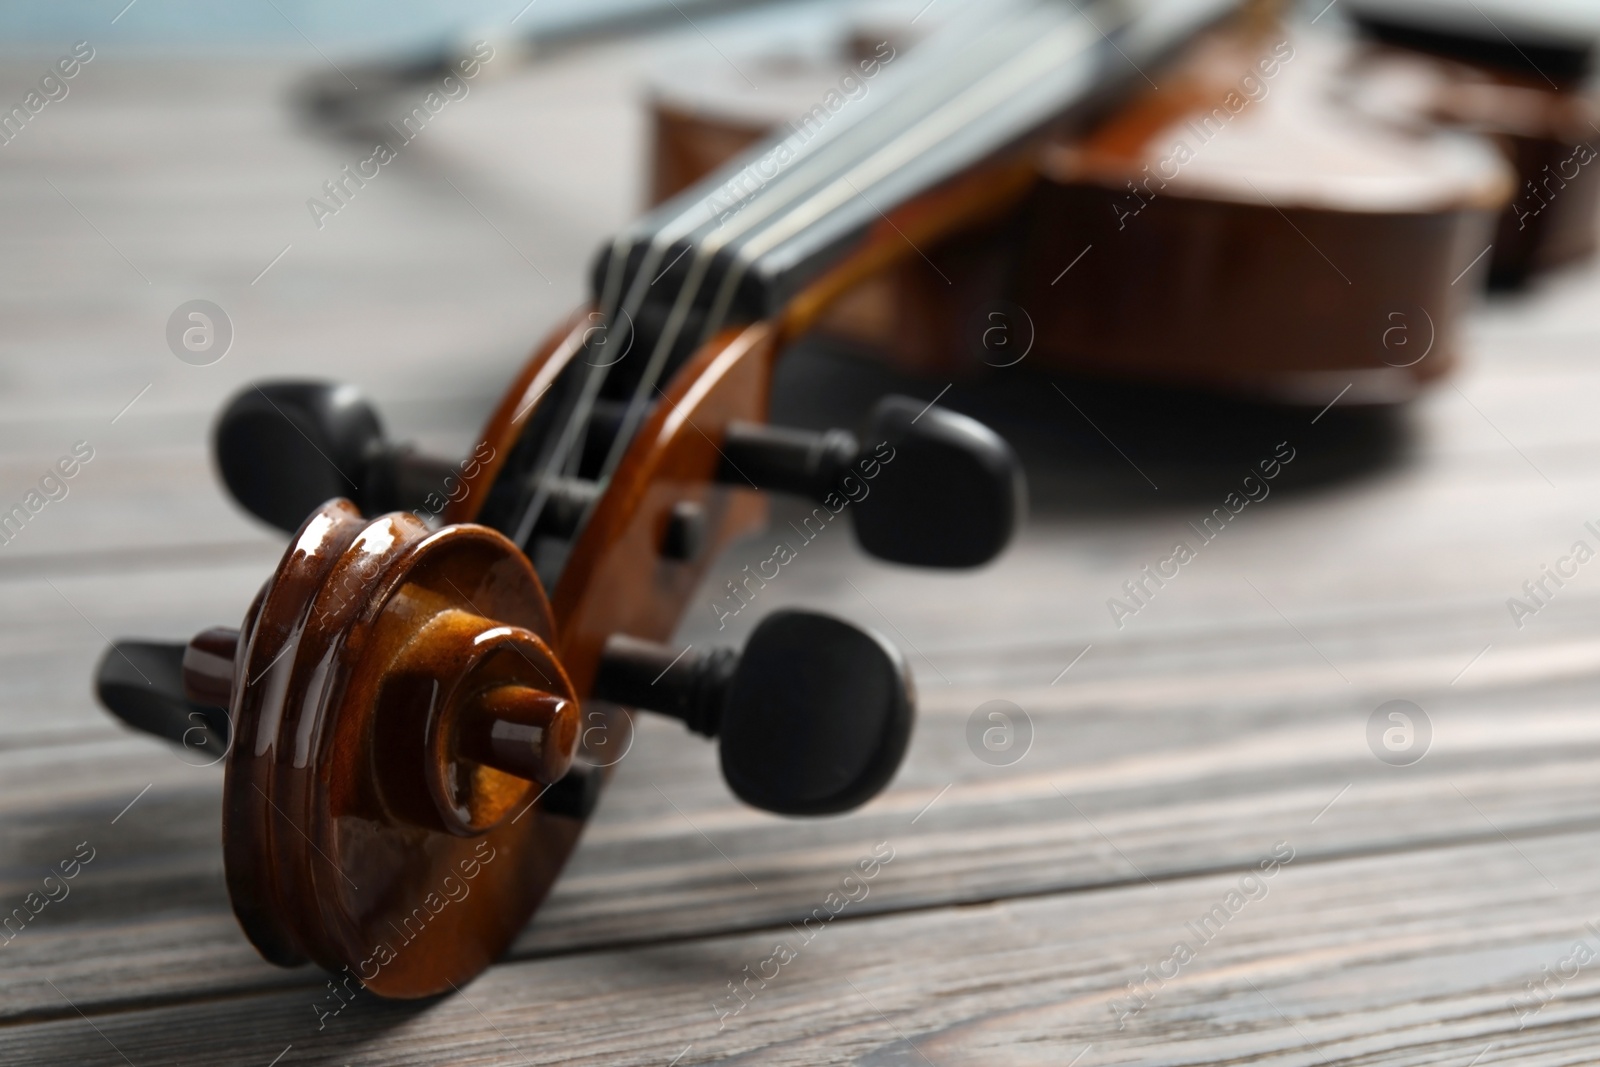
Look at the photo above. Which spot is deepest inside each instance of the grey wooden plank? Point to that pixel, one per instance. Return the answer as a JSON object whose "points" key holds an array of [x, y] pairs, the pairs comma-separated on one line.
{"points": [[1411, 959], [199, 175], [1151, 764]]}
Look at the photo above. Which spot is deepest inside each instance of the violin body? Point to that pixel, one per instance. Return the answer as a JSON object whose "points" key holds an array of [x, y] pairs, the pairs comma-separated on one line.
{"points": [[1258, 238], [1245, 229], [1525, 87]]}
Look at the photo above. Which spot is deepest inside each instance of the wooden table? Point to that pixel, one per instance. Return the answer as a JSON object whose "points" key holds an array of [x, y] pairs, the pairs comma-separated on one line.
{"points": [[1030, 911]]}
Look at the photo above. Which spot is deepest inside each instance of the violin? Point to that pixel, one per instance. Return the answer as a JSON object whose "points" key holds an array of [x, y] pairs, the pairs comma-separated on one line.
{"points": [[434, 684], [1288, 217], [1523, 83]]}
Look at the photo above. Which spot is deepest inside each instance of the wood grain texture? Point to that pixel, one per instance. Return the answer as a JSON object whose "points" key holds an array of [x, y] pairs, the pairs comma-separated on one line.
{"points": [[1325, 965], [1227, 715]]}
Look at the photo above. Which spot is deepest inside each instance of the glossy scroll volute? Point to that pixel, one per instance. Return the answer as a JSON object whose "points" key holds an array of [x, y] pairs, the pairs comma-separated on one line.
{"points": [[331, 849]]}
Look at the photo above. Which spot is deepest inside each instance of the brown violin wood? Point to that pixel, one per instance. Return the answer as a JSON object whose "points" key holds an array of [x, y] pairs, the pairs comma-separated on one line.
{"points": [[516, 407], [1546, 132], [1193, 270], [354, 827], [616, 581]]}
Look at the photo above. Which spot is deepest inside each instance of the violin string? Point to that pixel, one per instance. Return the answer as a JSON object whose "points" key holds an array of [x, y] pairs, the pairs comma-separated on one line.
{"points": [[577, 418], [1044, 55], [951, 102], [758, 212], [1151, 29], [564, 454]]}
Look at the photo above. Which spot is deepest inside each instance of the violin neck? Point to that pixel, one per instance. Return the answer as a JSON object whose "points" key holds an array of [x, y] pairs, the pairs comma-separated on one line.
{"points": [[744, 244], [741, 244]]}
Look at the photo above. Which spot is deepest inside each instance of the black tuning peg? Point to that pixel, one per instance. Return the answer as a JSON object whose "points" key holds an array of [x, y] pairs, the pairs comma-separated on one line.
{"points": [[284, 448], [927, 486], [812, 718], [142, 683]]}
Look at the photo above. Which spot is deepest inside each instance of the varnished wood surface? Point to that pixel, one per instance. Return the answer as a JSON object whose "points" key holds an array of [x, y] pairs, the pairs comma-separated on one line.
{"points": [[1227, 716]]}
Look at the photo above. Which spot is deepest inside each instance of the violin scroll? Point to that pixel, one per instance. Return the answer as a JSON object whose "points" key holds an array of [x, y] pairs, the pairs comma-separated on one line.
{"points": [[397, 711]]}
